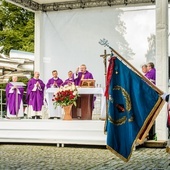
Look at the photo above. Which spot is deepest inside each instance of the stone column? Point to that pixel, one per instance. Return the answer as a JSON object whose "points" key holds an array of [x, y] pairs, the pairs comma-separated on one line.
{"points": [[162, 62], [38, 51]]}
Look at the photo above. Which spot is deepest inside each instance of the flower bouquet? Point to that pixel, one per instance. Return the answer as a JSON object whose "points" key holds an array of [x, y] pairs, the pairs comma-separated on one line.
{"points": [[65, 96]]}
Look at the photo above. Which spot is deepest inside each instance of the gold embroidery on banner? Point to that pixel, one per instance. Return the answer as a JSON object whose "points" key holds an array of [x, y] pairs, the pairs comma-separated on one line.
{"points": [[122, 120], [131, 119], [119, 121], [126, 96]]}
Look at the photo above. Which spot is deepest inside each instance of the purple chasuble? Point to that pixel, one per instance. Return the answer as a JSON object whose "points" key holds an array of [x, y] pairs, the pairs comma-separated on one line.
{"points": [[69, 81], [151, 75], [13, 100], [87, 75], [53, 81], [35, 98]]}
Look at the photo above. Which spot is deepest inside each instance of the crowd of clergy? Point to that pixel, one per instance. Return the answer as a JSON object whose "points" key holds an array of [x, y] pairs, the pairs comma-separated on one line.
{"points": [[36, 88], [35, 92]]}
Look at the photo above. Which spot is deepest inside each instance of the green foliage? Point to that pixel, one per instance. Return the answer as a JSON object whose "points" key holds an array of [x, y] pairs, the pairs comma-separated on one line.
{"points": [[3, 85], [16, 28]]}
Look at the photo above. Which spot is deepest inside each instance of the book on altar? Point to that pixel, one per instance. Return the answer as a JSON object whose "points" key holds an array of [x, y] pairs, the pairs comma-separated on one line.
{"points": [[87, 83], [18, 84]]}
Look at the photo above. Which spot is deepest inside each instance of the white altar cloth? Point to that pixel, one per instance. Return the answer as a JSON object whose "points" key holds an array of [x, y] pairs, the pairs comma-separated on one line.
{"points": [[58, 112]]}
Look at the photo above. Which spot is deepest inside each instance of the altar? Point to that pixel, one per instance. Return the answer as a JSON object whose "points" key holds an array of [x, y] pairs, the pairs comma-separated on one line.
{"points": [[82, 91]]}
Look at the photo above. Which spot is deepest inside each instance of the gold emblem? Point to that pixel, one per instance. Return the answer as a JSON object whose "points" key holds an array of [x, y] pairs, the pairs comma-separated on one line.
{"points": [[127, 108]]}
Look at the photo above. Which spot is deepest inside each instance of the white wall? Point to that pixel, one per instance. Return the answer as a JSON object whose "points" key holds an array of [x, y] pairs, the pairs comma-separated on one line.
{"points": [[71, 38]]}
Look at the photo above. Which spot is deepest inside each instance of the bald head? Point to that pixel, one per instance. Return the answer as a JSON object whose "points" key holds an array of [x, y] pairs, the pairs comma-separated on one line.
{"points": [[14, 78], [83, 68], [36, 75]]}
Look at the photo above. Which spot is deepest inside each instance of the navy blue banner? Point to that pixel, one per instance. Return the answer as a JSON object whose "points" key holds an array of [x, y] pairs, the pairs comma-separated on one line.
{"points": [[131, 105]]}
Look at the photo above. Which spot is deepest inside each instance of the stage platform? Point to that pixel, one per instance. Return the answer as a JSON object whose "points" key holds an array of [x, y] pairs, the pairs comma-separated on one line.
{"points": [[59, 132]]}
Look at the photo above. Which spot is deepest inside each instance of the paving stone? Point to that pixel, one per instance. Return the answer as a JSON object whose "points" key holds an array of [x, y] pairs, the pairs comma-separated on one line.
{"points": [[50, 157]]}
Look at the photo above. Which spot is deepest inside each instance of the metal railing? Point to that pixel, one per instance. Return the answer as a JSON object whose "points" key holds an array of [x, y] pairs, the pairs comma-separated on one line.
{"points": [[2, 104]]}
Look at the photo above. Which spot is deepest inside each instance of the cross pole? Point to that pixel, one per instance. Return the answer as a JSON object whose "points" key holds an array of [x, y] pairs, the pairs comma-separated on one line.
{"points": [[104, 56]]}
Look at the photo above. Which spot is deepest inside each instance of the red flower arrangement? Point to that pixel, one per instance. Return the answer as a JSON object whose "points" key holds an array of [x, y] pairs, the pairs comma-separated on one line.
{"points": [[65, 95]]}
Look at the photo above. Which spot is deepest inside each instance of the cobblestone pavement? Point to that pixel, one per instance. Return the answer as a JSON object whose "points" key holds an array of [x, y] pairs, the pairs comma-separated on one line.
{"points": [[50, 157]]}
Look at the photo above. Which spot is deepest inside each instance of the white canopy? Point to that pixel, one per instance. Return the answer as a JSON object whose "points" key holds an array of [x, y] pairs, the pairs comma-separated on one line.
{"points": [[58, 5]]}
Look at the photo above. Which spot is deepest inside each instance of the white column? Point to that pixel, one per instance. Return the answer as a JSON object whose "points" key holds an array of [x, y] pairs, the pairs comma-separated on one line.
{"points": [[162, 61], [38, 64]]}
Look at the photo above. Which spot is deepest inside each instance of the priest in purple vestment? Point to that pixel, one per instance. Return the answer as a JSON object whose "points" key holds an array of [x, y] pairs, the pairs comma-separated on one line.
{"points": [[85, 103], [35, 96], [55, 81], [144, 69], [70, 79], [151, 73], [82, 73], [14, 98]]}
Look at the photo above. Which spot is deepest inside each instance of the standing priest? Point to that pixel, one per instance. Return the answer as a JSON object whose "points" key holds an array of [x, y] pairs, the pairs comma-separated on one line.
{"points": [[35, 96], [82, 73], [54, 82], [14, 96], [85, 102]]}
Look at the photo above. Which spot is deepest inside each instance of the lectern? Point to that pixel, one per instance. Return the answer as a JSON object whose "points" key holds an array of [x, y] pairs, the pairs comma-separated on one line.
{"points": [[85, 102]]}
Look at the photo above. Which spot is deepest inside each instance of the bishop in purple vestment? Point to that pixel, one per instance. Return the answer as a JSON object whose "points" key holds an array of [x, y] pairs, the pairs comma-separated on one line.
{"points": [[35, 94], [151, 73], [14, 96], [55, 81]]}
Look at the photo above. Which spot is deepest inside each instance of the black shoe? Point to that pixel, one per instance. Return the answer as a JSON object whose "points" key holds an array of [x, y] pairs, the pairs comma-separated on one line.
{"points": [[51, 118], [38, 117], [58, 118], [33, 117]]}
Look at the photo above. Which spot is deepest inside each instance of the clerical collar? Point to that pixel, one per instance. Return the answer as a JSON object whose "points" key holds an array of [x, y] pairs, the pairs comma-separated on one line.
{"points": [[55, 78]]}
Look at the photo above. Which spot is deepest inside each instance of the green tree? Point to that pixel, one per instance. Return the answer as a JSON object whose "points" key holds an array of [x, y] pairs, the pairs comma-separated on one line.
{"points": [[16, 28]]}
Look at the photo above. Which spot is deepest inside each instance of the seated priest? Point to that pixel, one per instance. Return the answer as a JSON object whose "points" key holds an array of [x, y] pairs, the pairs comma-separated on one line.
{"points": [[35, 96], [70, 79], [14, 99], [54, 82], [85, 102]]}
